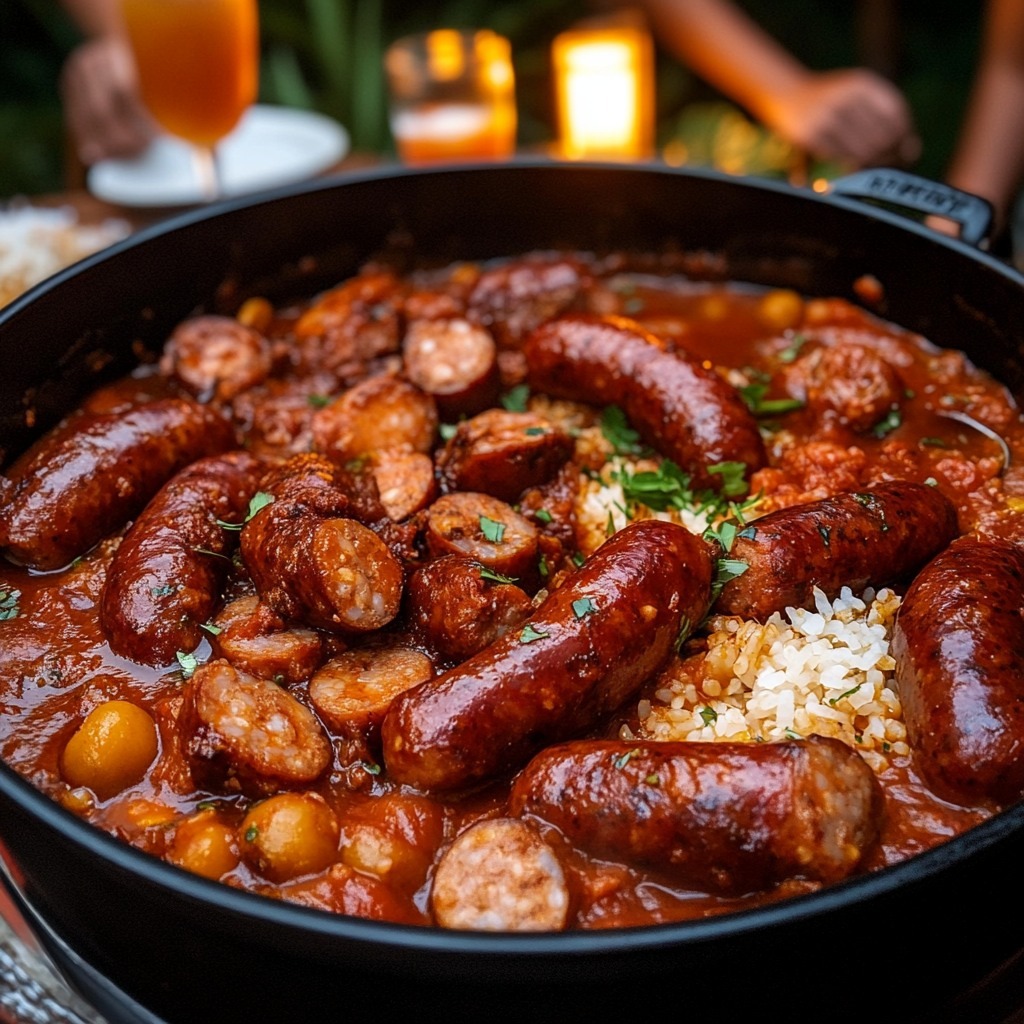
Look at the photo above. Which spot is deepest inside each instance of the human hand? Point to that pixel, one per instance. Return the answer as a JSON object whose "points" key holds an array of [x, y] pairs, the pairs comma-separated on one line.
{"points": [[102, 106], [851, 116]]}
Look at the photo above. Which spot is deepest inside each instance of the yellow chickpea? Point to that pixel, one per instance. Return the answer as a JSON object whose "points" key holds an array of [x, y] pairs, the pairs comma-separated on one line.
{"points": [[256, 313], [111, 749], [781, 310], [289, 835], [205, 845]]}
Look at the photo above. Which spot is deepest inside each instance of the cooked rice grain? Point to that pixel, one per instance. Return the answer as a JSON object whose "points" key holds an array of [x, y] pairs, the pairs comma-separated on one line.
{"points": [[826, 671]]}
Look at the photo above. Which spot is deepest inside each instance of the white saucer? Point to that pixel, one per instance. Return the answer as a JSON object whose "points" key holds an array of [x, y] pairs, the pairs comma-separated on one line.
{"points": [[271, 146]]}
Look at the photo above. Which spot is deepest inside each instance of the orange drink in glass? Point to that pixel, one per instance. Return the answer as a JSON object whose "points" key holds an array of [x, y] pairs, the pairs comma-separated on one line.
{"points": [[197, 63], [452, 96]]}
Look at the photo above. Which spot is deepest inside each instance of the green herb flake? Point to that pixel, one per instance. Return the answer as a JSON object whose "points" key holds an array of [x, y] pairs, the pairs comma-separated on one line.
{"points": [[886, 746], [318, 401], [447, 431], [849, 693], [528, 634], [685, 629], [578, 558], [543, 515], [535, 431], [252, 833], [370, 767], [165, 591], [748, 533], [754, 396], [622, 760], [792, 350], [495, 577], [206, 805], [9, 604], [708, 715], [492, 529], [542, 567], [609, 527], [187, 662], [583, 606], [932, 442], [791, 734], [892, 419], [733, 476], [260, 500], [826, 534], [618, 433], [515, 399], [210, 628], [654, 779], [726, 569], [724, 534], [214, 554]]}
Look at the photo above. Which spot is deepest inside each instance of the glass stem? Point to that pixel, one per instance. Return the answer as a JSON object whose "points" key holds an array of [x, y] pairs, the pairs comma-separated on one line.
{"points": [[208, 172]]}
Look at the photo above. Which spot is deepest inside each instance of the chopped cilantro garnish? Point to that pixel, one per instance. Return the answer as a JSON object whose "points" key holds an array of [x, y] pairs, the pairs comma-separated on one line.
{"points": [[708, 715], [370, 767], [849, 693], [618, 433], [933, 442], [654, 779], [492, 529], [583, 606], [187, 662], [542, 567], [578, 558], [753, 395], [515, 398], [210, 628], [318, 401], [528, 634], [535, 431], [622, 760], [543, 515], [447, 431], [732, 474], [252, 834], [726, 569], [164, 591], [792, 350], [9, 604], [893, 418], [495, 577], [260, 500]]}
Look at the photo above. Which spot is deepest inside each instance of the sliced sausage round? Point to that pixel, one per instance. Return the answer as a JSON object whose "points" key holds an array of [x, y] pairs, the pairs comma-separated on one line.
{"points": [[242, 733], [458, 606], [503, 453], [500, 876]]}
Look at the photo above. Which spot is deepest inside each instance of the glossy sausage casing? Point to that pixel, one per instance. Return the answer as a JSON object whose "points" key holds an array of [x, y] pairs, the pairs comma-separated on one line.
{"points": [[730, 817], [688, 413], [855, 539], [164, 580], [959, 645], [92, 474], [585, 650]]}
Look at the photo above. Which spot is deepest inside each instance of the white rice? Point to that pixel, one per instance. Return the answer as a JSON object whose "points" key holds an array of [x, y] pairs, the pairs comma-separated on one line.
{"points": [[36, 242]]}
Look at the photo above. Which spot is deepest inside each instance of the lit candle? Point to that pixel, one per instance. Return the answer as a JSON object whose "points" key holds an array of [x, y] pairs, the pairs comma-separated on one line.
{"points": [[604, 82]]}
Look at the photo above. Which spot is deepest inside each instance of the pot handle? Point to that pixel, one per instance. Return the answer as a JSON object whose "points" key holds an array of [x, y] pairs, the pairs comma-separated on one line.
{"points": [[901, 189]]}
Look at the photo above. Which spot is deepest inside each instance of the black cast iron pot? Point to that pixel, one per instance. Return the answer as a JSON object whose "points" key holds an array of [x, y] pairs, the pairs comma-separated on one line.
{"points": [[937, 938]]}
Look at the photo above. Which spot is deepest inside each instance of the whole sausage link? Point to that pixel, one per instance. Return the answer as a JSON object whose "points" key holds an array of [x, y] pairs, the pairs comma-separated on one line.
{"points": [[855, 539], [729, 817], [586, 649], [95, 472], [164, 580], [239, 732], [957, 642], [689, 414]]}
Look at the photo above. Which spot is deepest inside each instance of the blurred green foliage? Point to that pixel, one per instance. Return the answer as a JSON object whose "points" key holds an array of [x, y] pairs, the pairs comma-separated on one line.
{"points": [[327, 55]]}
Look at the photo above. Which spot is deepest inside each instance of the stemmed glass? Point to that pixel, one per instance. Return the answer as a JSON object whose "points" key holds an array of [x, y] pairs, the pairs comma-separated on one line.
{"points": [[198, 70]]}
